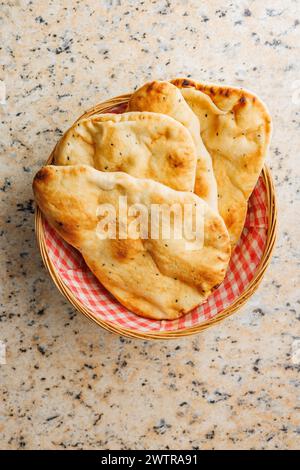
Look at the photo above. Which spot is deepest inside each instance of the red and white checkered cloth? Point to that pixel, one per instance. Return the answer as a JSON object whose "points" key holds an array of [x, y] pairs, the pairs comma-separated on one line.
{"points": [[73, 271]]}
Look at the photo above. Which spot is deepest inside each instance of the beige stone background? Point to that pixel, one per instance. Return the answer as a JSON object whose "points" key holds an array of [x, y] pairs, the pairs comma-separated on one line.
{"points": [[67, 383]]}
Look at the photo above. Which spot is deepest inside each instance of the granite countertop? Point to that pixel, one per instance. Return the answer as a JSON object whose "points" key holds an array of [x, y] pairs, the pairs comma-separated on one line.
{"points": [[68, 384]]}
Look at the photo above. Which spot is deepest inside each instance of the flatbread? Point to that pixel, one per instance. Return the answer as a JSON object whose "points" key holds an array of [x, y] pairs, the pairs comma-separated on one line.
{"points": [[163, 97], [236, 129], [144, 145], [155, 278]]}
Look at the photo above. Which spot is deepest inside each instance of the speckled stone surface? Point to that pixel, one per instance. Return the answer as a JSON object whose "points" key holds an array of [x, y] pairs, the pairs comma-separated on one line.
{"points": [[67, 383]]}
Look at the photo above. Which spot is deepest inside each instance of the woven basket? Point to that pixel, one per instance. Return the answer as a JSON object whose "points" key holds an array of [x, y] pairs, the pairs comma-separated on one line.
{"points": [[119, 103]]}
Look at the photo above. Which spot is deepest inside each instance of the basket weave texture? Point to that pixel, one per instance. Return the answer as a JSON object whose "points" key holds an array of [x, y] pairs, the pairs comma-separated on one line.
{"points": [[246, 269]]}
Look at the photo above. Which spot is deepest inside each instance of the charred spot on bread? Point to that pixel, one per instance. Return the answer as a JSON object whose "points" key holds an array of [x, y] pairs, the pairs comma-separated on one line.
{"points": [[42, 175], [186, 82]]}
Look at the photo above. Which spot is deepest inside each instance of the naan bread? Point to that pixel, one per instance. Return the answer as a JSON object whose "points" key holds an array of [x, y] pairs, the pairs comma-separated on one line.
{"points": [[163, 97], [235, 128], [144, 145], [155, 278]]}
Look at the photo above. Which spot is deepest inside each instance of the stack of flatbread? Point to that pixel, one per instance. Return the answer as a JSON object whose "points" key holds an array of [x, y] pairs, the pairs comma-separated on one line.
{"points": [[179, 144]]}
